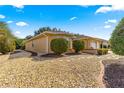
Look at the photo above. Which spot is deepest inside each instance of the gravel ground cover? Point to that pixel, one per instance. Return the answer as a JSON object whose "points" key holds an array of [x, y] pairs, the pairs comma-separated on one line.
{"points": [[4, 57], [70, 71], [23, 70]]}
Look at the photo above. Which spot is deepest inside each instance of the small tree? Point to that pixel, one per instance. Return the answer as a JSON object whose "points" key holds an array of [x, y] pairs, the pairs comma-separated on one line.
{"points": [[29, 36], [6, 45], [23, 45], [7, 41], [59, 45], [18, 43], [117, 39], [78, 45]]}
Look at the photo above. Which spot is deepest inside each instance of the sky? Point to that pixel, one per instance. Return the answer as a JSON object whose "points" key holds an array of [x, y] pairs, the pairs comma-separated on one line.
{"points": [[97, 21]]}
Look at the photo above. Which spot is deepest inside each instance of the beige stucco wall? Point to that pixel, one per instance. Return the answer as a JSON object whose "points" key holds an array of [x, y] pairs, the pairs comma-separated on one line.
{"points": [[94, 44], [91, 43], [98, 44], [90, 51], [85, 43], [42, 44], [39, 45], [28, 46], [105, 43]]}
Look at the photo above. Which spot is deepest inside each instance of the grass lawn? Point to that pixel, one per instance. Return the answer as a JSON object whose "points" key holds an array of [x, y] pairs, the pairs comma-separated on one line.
{"points": [[70, 71]]}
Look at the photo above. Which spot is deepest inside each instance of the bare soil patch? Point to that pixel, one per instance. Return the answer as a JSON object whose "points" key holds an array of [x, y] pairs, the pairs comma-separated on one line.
{"points": [[114, 73]]}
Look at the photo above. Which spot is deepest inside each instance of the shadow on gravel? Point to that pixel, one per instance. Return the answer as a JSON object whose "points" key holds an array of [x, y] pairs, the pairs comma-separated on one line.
{"points": [[51, 56], [19, 54], [17, 51], [114, 73]]}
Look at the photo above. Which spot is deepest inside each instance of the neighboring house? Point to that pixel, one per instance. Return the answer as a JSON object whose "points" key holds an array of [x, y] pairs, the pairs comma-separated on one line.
{"points": [[41, 43], [92, 43]]}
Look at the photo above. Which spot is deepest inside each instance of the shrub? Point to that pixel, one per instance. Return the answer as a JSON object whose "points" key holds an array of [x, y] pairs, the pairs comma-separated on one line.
{"points": [[23, 45], [102, 51], [18, 43], [7, 42], [100, 45], [12, 45], [6, 45], [104, 46], [3, 47], [117, 39], [59, 45], [109, 46], [78, 45]]}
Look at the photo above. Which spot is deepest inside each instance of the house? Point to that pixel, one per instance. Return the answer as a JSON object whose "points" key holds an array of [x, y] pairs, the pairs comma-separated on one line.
{"points": [[41, 43], [91, 44]]}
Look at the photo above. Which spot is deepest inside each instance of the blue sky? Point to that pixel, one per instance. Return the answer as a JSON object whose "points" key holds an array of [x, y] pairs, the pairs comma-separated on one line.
{"points": [[97, 21]]}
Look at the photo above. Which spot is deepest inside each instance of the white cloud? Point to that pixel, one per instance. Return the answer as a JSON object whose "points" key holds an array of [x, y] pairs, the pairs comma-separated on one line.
{"points": [[19, 6], [17, 32], [9, 22], [2, 16], [105, 9], [107, 26], [19, 10], [73, 18], [84, 6], [111, 21], [21, 24]]}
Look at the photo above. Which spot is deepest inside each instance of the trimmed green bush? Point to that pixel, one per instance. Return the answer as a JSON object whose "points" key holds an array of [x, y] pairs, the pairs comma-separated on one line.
{"points": [[78, 45], [102, 51], [117, 39], [59, 45]]}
